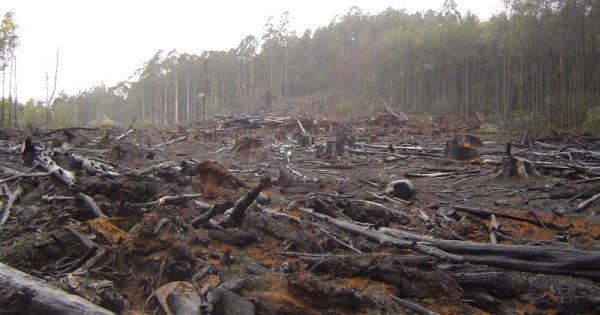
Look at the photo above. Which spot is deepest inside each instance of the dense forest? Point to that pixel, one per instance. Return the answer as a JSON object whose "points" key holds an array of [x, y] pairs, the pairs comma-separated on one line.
{"points": [[535, 64]]}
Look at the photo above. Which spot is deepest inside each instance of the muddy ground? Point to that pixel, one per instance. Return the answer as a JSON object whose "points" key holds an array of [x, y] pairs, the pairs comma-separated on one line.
{"points": [[313, 230]]}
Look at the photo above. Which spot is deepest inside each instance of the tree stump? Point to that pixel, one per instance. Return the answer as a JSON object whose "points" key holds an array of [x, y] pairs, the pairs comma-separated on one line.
{"points": [[456, 150], [210, 136], [516, 166], [403, 189], [331, 150], [467, 140], [301, 139], [248, 145]]}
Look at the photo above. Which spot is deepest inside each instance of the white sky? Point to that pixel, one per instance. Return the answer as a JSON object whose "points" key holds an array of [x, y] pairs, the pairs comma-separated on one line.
{"points": [[105, 41]]}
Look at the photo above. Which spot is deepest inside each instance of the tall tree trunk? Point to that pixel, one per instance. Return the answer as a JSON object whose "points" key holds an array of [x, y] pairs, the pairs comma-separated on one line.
{"points": [[188, 109], [3, 96], [16, 103], [10, 94], [176, 111]]}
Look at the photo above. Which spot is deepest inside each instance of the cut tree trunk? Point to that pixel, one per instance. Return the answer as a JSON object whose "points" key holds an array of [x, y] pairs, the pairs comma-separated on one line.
{"points": [[515, 166], [45, 298], [455, 151]]}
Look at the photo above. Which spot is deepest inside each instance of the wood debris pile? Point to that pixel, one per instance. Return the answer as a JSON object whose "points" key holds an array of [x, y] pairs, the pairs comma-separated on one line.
{"points": [[296, 215]]}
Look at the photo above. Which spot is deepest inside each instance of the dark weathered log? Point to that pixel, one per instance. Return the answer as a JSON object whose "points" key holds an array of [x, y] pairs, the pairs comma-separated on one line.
{"points": [[213, 211], [536, 259], [46, 298], [403, 189], [285, 178], [84, 240], [335, 239], [392, 214], [525, 139], [91, 204], [70, 267], [514, 257], [487, 213], [500, 284], [278, 215], [301, 139], [189, 167], [331, 150], [28, 152], [382, 238], [243, 203]]}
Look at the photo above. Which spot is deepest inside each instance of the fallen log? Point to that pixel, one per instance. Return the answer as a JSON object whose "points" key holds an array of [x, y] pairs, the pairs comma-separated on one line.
{"points": [[93, 167], [17, 176], [412, 306], [91, 204], [46, 298], [169, 200], [487, 213], [586, 204], [213, 211], [536, 259], [69, 129], [67, 177], [128, 132], [162, 145]]}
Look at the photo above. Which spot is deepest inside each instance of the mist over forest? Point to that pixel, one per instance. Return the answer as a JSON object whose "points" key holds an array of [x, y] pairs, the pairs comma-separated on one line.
{"points": [[535, 64]]}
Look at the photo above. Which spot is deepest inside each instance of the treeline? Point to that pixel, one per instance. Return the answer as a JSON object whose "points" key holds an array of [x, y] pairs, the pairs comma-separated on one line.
{"points": [[536, 64]]}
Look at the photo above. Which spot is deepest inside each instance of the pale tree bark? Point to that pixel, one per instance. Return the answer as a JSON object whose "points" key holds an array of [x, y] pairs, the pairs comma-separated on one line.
{"points": [[51, 96]]}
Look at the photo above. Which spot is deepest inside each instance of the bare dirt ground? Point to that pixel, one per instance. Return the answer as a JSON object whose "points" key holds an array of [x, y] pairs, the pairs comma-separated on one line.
{"points": [[292, 215]]}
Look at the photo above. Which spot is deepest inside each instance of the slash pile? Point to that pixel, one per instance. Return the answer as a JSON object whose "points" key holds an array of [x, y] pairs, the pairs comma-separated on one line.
{"points": [[294, 215]]}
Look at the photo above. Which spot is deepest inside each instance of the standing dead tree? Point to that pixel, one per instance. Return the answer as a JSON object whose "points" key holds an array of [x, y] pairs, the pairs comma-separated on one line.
{"points": [[51, 96]]}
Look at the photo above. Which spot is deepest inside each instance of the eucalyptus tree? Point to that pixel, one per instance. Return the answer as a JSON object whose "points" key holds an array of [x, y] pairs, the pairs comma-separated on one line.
{"points": [[246, 53], [8, 43], [535, 62]]}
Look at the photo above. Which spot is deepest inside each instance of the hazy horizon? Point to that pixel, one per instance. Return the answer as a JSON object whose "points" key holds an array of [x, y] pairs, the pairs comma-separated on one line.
{"points": [[105, 42]]}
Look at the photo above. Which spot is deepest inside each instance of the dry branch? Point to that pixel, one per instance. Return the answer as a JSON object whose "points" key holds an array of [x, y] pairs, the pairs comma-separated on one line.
{"points": [[586, 204], [10, 198]]}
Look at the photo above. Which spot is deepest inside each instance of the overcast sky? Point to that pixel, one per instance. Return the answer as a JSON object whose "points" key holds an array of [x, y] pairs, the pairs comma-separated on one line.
{"points": [[106, 41]]}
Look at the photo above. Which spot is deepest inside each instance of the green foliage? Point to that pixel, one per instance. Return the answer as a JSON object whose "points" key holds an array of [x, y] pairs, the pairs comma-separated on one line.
{"points": [[102, 120], [488, 127], [535, 63], [33, 114], [592, 119]]}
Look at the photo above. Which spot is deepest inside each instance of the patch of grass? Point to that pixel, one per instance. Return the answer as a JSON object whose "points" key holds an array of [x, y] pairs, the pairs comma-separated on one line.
{"points": [[487, 127], [419, 117]]}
